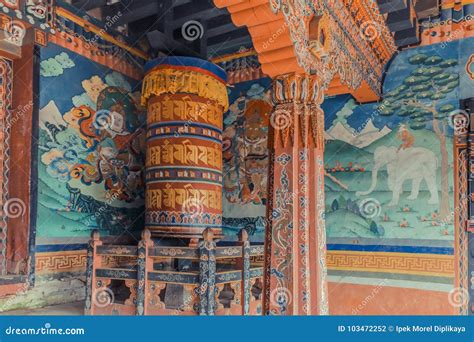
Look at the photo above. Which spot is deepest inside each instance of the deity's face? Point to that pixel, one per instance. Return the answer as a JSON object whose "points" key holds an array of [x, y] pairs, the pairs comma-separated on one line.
{"points": [[460, 123]]}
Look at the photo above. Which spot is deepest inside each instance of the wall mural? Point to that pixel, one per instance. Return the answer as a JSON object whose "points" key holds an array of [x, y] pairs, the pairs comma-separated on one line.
{"points": [[91, 145], [390, 165], [245, 154]]}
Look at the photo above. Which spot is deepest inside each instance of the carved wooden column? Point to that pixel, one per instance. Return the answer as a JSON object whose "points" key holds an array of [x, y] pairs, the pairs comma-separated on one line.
{"points": [[462, 295], [295, 260]]}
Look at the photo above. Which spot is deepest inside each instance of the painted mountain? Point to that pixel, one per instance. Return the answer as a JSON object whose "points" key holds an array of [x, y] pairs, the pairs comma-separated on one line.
{"points": [[361, 139]]}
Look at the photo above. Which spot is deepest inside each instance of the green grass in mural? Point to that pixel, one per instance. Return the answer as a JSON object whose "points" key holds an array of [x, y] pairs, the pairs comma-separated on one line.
{"points": [[53, 224], [344, 223]]}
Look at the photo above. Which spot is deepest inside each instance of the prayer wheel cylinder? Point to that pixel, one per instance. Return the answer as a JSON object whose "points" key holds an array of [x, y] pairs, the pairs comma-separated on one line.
{"points": [[185, 99]]}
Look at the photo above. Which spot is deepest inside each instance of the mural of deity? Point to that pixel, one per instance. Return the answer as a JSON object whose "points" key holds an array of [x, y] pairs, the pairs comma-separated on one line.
{"points": [[245, 153], [91, 147]]}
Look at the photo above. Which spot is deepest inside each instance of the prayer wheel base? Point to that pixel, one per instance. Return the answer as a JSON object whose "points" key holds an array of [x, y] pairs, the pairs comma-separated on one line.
{"points": [[179, 232]]}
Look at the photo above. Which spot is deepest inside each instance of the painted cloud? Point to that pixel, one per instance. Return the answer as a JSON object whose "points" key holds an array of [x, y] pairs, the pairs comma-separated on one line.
{"points": [[55, 66]]}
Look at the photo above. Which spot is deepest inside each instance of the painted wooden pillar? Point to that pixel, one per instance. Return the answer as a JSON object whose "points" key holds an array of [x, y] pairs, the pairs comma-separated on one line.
{"points": [[461, 218], [244, 265], [462, 296], [207, 274], [93, 262], [295, 256], [186, 98], [144, 263]]}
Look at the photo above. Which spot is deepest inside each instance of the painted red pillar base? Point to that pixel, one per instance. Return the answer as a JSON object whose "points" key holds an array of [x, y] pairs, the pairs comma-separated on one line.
{"points": [[295, 259]]}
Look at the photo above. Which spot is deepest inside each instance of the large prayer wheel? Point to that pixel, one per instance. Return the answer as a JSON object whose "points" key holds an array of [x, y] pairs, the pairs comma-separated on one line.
{"points": [[185, 99]]}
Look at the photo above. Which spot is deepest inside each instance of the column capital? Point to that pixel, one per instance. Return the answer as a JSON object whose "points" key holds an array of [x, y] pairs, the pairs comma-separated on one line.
{"points": [[298, 89], [297, 119]]}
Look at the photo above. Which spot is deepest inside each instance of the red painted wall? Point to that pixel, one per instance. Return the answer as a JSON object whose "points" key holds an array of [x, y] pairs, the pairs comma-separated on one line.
{"points": [[351, 299]]}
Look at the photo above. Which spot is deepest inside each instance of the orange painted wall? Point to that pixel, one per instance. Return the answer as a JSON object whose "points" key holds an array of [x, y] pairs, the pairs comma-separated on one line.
{"points": [[350, 299]]}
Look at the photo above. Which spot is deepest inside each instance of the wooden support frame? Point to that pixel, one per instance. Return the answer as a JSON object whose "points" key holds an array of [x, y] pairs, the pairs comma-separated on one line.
{"points": [[216, 268]]}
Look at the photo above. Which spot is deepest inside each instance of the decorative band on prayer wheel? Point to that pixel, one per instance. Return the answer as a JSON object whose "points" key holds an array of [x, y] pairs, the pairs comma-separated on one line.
{"points": [[186, 99]]}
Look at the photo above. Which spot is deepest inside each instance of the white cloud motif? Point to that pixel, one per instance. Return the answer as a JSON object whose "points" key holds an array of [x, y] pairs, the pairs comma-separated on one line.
{"points": [[55, 66]]}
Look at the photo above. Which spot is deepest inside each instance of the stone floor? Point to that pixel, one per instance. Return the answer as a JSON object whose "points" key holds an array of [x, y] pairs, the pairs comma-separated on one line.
{"points": [[69, 309]]}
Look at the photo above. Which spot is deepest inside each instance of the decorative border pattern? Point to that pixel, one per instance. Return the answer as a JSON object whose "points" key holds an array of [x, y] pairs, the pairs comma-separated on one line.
{"points": [[177, 218], [446, 31], [404, 263], [408, 263], [65, 261]]}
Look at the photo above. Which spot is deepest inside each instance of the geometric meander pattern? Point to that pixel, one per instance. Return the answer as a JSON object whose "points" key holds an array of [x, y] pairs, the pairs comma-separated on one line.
{"points": [[409, 263], [61, 261], [423, 264]]}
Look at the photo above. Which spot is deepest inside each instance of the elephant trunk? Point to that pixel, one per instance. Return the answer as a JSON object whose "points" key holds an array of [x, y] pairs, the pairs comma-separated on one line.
{"points": [[375, 171]]}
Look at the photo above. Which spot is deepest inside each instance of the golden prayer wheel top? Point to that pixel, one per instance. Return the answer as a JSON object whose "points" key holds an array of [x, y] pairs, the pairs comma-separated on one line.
{"points": [[171, 75]]}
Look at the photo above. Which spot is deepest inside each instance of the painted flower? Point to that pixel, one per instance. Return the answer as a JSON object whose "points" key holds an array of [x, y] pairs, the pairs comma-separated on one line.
{"points": [[283, 159]]}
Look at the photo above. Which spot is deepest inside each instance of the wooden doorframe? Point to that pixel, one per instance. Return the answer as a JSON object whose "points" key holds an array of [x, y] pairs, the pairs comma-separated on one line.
{"points": [[21, 167]]}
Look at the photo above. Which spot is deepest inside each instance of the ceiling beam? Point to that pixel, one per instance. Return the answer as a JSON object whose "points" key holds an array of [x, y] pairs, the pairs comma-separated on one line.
{"points": [[198, 16], [143, 10], [163, 43], [228, 46], [387, 6], [87, 5]]}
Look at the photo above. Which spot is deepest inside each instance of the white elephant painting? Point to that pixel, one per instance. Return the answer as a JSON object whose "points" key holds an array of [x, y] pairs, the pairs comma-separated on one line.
{"points": [[413, 163]]}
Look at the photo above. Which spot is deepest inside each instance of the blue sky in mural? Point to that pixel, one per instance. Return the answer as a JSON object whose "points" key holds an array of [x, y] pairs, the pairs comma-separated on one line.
{"points": [[70, 78], [359, 115]]}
